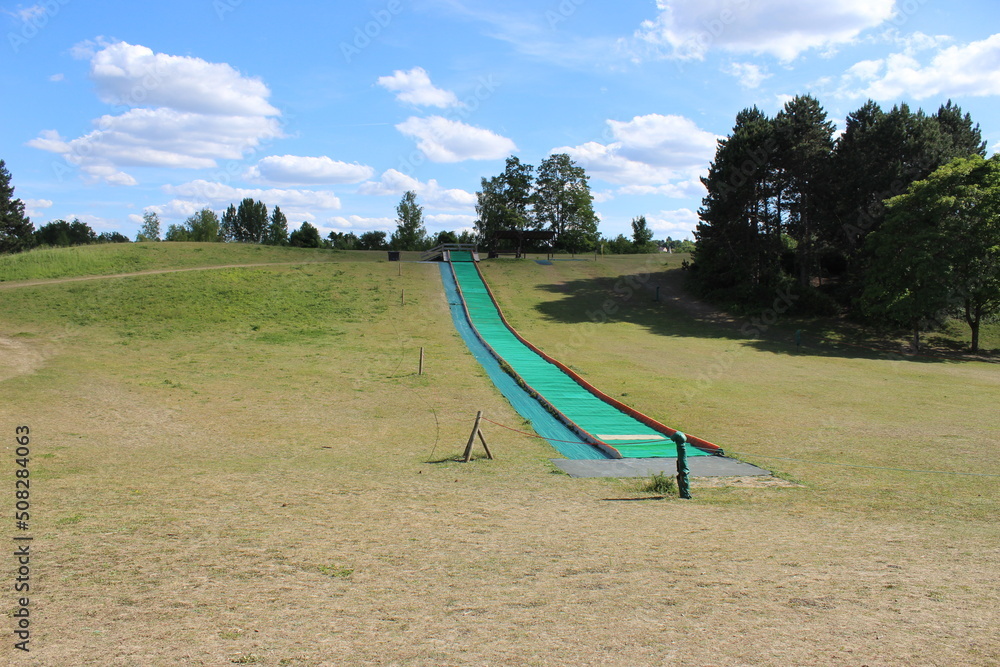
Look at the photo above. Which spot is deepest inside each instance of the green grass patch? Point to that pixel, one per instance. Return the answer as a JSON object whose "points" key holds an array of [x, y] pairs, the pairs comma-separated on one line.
{"points": [[114, 258]]}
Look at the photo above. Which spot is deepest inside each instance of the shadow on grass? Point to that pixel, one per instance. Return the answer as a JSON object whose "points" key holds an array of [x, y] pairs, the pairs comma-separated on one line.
{"points": [[661, 305], [632, 500]]}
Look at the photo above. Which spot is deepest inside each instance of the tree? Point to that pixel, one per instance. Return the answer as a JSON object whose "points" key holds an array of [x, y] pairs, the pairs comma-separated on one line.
{"points": [[150, 229], [204, 226], [277, 231], [642, 235], [445, 237], [504, 202], [305, 236], [739, 237], [16, 230], [372, 241], [805, 142], [177, 233], [112, 237], [227, 226], [938, 251], [564, 205], [251, 222], [342, 241], [410, 233], [61, 233], [620, 245]]}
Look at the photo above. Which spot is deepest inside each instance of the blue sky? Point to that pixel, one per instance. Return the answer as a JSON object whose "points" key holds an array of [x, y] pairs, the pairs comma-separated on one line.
{"points": [[333, 109]]}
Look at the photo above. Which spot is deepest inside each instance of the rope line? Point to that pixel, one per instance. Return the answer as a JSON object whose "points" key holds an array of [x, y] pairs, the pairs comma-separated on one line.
{"points": [[783, 458], [855, 465]]}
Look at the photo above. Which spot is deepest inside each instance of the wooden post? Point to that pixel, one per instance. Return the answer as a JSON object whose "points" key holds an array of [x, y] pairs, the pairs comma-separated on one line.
{"points": [[472, 439], [402, 293], [420, 369]]}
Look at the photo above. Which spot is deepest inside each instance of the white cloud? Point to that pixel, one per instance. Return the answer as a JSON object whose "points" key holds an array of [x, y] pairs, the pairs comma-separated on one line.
{"points": [[749, 75], [688, 29], [676, 224], [357, 223], [132, 75], [415, 87], [298, 170], [451, 220], [199, 191], [198, 113], [431, 194], [968, 70], [55, 78], [34, 207], [651, 154], [175, 208], [603, 196], [444, 140]]}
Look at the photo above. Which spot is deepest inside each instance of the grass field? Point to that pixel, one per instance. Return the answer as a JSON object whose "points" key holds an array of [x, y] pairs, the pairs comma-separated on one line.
{"points": [[230, 466]]}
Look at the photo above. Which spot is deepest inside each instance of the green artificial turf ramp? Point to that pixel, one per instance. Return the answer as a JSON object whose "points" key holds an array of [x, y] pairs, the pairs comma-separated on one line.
{"points": [[599, 419]]}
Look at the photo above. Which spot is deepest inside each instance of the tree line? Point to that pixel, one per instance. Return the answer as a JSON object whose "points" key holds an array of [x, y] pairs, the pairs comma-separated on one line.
{"points": [[789, 206]]}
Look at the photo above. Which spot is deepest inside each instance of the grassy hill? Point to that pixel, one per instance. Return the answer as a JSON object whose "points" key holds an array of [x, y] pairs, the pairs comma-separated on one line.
{"points": [[230, 466]]}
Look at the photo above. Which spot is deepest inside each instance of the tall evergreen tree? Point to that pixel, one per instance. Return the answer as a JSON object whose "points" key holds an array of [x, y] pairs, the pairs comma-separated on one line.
{"points": [[739, 237], [563, 203], [16, 230], [410, 233], [227, 226], [277, 230], [251, 221], [962, 138], [805, 141]]}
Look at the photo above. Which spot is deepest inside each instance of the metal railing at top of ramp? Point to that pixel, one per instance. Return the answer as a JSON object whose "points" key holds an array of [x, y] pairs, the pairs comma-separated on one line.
{"points": [[444, 248]]}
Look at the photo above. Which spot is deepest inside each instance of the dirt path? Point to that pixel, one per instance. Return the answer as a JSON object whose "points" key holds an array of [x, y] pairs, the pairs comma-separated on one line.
{"points": [[150, 272]]}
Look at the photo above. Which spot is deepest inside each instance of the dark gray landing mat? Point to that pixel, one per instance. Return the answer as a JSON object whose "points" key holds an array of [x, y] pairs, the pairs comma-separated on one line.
{"points": [[699, 466]]}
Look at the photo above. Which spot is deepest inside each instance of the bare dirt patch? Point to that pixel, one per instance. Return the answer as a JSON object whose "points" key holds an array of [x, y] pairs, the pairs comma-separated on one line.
{"points": [[18, 357]]}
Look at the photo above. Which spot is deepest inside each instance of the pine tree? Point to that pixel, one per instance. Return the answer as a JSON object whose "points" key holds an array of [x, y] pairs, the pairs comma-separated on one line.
{"points": [[251, 221], [277, 231], [805, 143], [227, 228], [739, 238], [16, 230]]}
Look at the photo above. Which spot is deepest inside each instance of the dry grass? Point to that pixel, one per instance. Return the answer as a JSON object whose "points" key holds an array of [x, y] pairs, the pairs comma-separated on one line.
{"points": [[221, 495]]}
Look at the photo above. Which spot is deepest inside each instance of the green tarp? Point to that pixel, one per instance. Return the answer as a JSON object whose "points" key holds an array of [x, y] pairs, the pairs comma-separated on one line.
{"points": [[600, 420]]}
